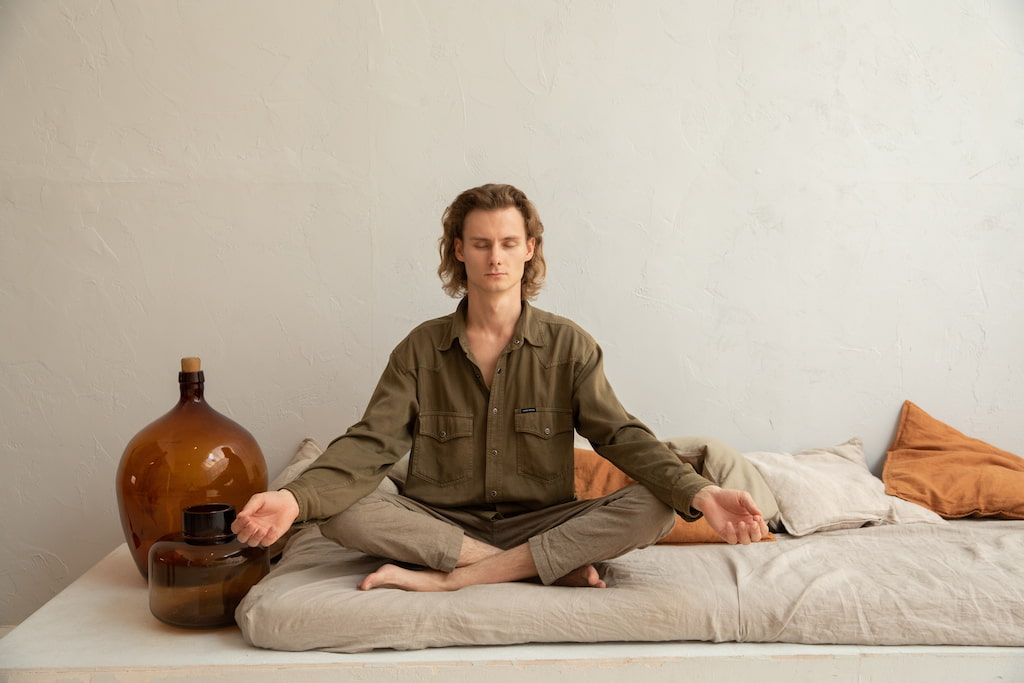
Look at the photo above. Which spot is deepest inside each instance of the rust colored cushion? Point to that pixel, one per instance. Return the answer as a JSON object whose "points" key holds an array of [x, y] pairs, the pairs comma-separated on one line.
{"points": [[934, 465], [596, 477]]}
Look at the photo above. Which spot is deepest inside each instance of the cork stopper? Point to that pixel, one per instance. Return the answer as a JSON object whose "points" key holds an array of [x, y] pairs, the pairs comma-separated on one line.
{"points": [[190, 365]]}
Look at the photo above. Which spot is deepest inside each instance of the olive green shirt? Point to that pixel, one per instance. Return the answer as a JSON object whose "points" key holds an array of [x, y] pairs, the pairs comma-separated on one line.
{"points": [[508, 448]]}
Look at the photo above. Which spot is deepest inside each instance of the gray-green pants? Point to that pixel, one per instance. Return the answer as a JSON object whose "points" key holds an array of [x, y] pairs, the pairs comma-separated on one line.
{"points": [[561, 538]]}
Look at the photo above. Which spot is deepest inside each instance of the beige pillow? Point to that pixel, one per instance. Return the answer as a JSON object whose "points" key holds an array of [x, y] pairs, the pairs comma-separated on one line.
{"points": [[309, 450], [597, 477], [822, 489], [726, 467]]}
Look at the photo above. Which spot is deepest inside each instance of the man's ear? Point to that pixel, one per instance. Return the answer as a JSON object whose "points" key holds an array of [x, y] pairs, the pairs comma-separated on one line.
{"points": [[458, 250], [531, 244]]}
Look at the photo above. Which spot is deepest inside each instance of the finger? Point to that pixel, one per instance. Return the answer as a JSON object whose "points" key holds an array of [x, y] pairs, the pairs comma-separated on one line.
{"points": [[743, 533], [244, 531], [271, 537], [266, 537], [252, 534], [255, 539]]}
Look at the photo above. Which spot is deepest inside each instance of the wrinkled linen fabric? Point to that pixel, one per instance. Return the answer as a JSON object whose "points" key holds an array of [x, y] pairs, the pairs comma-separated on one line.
{"points": [[903, 584]]}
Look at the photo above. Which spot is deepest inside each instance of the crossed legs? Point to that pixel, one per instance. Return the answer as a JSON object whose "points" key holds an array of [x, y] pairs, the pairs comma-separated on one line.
{"points": [[559, 545], [498, 567], [483, 564]]}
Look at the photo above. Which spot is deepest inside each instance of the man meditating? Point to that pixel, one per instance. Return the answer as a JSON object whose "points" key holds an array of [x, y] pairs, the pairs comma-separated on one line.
{"points": [[485, 401]]}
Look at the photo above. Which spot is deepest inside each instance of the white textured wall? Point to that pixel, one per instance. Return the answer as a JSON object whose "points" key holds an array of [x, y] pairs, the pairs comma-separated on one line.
{"points": [[781, 218]]}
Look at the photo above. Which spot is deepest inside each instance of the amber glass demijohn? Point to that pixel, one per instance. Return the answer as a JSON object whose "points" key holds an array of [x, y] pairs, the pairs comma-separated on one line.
{"points": [[197, 577], [193, 455]]}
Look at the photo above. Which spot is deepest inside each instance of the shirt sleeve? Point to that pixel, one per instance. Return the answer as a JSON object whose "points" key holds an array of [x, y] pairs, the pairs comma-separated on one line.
{"points": [[628, 443], [354, 464]]}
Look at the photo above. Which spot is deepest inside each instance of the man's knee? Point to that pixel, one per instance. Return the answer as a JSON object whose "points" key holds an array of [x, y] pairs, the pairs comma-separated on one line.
{"points": [[650, 513], [349, 527]]}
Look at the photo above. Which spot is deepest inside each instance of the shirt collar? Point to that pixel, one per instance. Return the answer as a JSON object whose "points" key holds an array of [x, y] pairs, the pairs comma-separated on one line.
{"points": [[528, 329]]}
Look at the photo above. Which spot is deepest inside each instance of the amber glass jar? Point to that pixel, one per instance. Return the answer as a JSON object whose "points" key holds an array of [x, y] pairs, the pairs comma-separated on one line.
{"points": [[193, 455], [198, 577]]}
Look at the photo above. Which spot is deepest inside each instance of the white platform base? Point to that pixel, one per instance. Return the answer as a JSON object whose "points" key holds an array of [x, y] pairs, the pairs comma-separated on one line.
{"points": [[100, 629]]}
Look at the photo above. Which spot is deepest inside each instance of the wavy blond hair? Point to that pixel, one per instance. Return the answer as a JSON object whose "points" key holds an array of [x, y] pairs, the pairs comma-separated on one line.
{"points": [[489, 197]]}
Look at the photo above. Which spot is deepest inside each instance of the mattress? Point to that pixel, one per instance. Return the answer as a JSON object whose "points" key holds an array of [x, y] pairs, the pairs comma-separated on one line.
{"points": [[901, 584]]}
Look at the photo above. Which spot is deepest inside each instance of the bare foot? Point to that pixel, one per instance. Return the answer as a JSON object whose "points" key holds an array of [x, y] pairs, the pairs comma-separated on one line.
{"points": [[391, 576], [514, 564], [584, 577]]}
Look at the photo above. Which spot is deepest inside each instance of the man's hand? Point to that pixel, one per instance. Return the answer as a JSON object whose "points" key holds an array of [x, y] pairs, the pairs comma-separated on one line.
{"points": [[732, 514], [266, 517]]}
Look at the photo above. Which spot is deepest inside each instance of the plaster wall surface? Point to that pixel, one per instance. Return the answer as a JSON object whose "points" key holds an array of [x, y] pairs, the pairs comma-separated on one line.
{"points": [[780, 219]]}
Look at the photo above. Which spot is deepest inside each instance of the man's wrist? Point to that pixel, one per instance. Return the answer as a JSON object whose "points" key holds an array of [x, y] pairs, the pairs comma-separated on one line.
{"points": [[702, 497], [293, 500]]}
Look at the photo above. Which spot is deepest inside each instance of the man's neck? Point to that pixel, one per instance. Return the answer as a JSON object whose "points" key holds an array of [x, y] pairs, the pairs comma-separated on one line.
{"points": [[493, 316]]}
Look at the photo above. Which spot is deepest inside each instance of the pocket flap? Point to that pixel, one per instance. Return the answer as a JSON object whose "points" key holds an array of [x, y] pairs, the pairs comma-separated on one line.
{"points": [[446, 426], [544, 422]]}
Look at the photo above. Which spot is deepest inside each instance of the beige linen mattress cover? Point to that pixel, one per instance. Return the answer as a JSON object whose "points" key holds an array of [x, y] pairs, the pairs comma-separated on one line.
{"points": [[960, 583]]}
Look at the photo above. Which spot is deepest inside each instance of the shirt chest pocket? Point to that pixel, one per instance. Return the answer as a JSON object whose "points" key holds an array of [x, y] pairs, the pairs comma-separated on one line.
{"points": [[443, 449], [544, 444]]}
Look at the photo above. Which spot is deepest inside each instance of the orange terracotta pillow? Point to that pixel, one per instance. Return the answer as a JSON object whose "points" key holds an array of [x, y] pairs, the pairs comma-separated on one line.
{"points": [[596, 477], [934, 465]]}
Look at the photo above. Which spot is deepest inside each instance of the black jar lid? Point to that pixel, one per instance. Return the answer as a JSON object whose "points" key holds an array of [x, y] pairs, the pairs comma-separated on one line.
{"points": [[209, 522]]}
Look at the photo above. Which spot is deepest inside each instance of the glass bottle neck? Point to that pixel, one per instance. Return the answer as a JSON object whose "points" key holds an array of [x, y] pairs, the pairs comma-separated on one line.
{"points": [[208, 540], [191, 384]]}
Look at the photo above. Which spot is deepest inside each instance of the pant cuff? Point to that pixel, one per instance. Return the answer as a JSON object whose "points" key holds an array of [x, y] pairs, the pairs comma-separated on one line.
{"points": [[542, 560]]}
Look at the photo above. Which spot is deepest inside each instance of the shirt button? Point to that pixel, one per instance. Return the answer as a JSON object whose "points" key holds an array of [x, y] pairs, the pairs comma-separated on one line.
{"points": [[494, 453], [494, 494], [495, 411], [499, 371], [516, 342]]}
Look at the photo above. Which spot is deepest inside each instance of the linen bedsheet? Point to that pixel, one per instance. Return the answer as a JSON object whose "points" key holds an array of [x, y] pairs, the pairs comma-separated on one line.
{"points": [[957, 583], [849, 564]]}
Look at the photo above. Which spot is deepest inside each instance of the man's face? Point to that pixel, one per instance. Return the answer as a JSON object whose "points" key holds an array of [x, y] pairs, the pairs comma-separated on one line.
{"points": [[495, 249]]}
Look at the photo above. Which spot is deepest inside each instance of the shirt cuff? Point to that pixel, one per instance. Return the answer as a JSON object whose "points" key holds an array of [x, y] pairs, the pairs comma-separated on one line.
{"points": [[304, 497], [684, 498]]}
